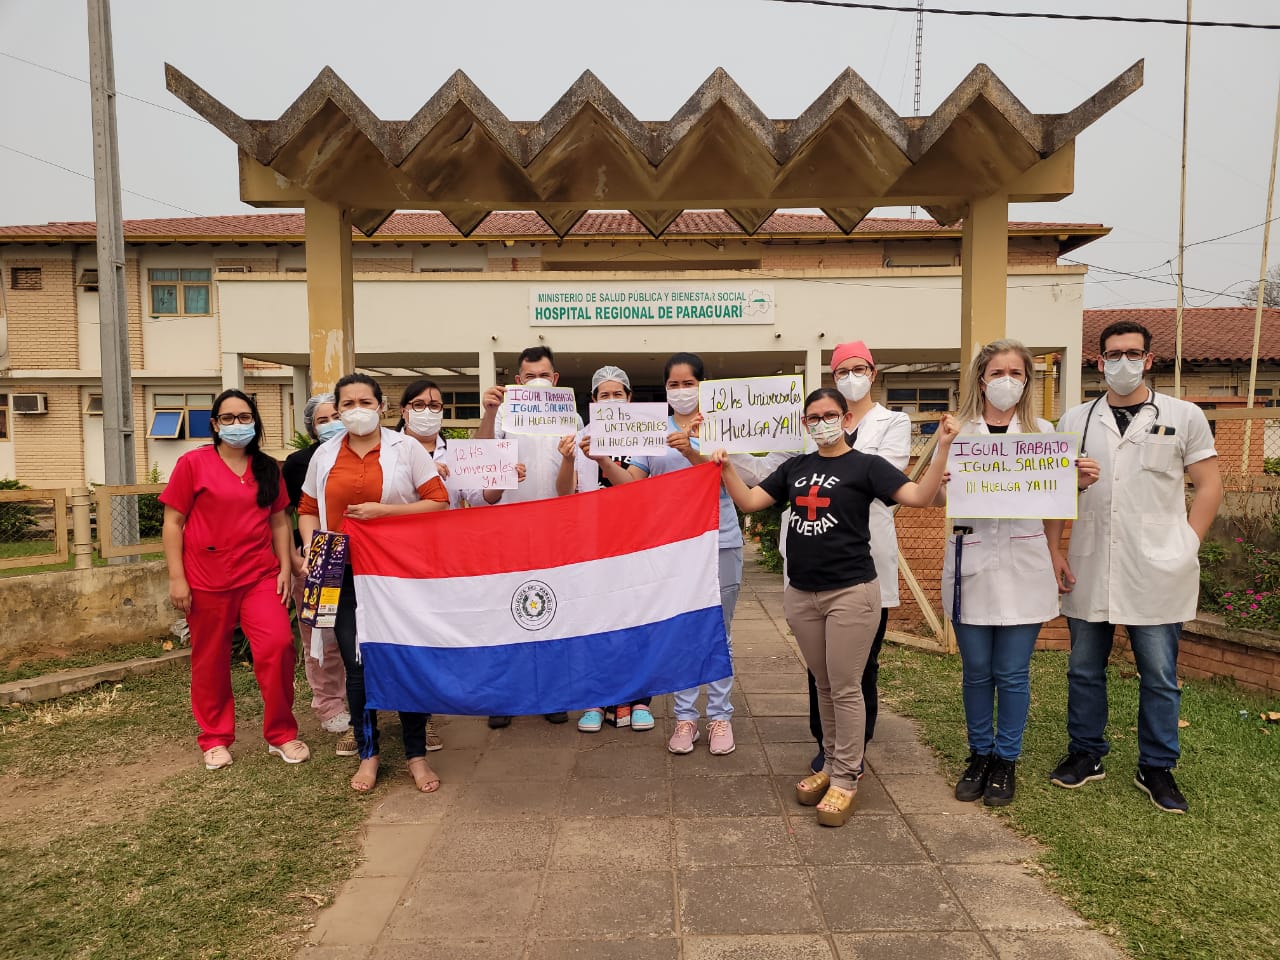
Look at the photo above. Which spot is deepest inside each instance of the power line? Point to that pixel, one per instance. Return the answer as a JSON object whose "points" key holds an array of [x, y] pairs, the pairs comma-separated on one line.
{"points": [[85, 176], [1233, 233], [1163, 283], [126, 96], [1026, 15]]}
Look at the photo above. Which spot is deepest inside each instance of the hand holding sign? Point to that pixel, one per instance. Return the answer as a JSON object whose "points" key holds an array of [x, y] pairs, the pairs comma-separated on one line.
{"points": [[754, 415], [484, 464], [1012, 475], [538, 411]]}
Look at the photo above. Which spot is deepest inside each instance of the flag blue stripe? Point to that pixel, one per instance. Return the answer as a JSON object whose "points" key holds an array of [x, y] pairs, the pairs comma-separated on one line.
{"points": [[596, 670]]}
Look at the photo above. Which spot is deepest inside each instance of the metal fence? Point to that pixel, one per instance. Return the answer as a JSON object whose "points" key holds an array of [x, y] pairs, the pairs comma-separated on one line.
{"points": [[47, 527]]}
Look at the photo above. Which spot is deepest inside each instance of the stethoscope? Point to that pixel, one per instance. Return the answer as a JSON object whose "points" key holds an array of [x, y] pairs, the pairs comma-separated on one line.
{"points": [[1149, 402]]}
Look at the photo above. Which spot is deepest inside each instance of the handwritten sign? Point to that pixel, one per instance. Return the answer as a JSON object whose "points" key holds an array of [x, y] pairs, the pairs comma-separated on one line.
{"points": [[539, 411], [628, 429], [483, 464], [1013, 476], [753, 415]]}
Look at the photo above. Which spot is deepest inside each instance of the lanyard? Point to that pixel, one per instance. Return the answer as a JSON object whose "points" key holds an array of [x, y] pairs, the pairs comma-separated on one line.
{"points": [[960, 534]]}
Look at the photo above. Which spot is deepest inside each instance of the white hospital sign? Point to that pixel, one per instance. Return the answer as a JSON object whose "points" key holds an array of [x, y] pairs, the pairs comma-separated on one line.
{"points": [[684, 302]]}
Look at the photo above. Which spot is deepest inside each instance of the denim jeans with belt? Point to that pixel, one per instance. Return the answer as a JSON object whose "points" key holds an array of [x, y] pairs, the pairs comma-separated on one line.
{"points": [[1155, 652]]}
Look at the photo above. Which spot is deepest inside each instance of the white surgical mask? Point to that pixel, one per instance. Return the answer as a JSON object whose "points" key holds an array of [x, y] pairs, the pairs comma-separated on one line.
{"points": [[1123, 376], [683, 400], [330, 429], [854, 386], [825, 434], [361, 421], [538, 382], [425, 423], [1003, 393]]}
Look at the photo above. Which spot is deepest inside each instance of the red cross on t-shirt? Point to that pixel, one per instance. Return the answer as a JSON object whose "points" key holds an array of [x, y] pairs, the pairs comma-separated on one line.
{"points": [[812, 501]]}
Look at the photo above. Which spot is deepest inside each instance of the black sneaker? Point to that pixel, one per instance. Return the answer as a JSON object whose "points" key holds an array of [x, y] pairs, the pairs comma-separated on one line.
{"points": [[1157, 783], [1000, 783], [497, 723], [560, 717], [1077, 769], [975, 776]]}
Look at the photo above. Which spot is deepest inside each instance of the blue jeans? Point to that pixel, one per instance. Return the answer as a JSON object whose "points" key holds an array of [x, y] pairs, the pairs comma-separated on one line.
{"points": [[997, 671], [1155, 652], [718, 705]]}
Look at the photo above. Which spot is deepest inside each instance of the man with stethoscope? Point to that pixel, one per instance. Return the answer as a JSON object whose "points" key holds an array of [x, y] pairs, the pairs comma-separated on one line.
{"points": [[1133, 558]]}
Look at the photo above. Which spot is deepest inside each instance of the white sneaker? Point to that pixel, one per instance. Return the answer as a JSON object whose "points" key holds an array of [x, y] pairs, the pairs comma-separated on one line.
{"points": [[337, 723]]}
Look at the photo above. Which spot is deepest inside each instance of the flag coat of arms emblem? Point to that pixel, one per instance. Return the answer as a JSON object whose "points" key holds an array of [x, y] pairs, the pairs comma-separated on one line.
{"points": [[581, 601]]}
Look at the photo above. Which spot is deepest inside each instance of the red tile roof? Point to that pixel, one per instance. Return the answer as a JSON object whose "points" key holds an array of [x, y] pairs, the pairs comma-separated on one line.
{"points": [[1209, 334], [500, 224]]}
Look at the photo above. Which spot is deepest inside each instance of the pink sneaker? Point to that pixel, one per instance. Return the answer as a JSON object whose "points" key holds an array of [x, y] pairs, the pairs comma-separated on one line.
{"points": [[720, 737], [685, 736]]}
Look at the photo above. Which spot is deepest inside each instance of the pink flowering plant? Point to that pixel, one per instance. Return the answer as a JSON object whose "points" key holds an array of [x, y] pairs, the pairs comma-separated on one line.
{"points": [[1241, 581]]}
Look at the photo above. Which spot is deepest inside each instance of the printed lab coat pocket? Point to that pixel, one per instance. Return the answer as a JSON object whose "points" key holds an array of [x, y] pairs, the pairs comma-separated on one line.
{"points": [[1157, 452], [1030, 553], [1165, 539]]}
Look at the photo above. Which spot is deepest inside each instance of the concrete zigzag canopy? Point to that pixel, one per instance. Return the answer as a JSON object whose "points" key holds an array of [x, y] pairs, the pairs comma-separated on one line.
{"points": [[848, 153]]}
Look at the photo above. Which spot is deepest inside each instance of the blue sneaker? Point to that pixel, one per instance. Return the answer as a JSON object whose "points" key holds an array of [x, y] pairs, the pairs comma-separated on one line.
{"points": [[641, 718], [591, 721]]}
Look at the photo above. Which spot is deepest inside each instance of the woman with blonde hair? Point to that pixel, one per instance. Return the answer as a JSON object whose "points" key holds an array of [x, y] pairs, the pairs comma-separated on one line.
{"points": [[1006, 588]]}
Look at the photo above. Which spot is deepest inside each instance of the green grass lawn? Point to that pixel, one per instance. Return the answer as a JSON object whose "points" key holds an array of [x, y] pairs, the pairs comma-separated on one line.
{"points": [[115, 842], [1203, 885], [34, 548]]}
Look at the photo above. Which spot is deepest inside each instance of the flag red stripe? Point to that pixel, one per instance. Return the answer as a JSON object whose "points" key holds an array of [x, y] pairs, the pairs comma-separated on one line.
{"points": [[545, 533]]}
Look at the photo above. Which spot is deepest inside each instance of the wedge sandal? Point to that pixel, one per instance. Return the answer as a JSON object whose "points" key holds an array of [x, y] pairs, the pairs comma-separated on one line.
{"points": [[811, 790], [839, 807]]}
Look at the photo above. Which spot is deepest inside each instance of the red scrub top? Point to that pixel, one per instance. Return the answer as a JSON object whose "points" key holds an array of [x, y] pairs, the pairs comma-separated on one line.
{"points": [[227, 539]]}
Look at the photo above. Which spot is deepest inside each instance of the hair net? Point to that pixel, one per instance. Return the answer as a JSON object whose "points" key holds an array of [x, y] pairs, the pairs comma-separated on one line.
{"points": [[309, 411], [610, 373]]}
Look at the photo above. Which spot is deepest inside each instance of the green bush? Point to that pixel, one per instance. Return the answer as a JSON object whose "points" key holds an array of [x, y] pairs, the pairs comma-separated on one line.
{"points": [[1271, 466], [299, 440], [16, 519], [764, 527], [150, 509], [1241, 581]]}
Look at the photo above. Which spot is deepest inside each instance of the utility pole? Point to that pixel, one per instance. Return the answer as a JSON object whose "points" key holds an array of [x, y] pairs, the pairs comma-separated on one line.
{"points": [[919, 52], [117, 383], [1182, 212]]}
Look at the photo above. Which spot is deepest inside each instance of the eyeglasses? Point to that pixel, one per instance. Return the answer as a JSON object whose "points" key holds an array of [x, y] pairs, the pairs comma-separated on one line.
{"points": [[858, 371], [1124, 355], [813, 419], [417, 406], [227, 419]]}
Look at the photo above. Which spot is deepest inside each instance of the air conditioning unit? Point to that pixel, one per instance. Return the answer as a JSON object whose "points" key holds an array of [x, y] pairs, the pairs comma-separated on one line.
{"points": [[30, 403]]}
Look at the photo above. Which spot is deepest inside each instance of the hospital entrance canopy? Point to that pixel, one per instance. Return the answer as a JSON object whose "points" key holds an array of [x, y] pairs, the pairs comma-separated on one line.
{"points": [[846, 154]]}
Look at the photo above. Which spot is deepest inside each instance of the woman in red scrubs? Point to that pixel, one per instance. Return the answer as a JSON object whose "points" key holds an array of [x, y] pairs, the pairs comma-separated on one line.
{"points": [[227, 544]]}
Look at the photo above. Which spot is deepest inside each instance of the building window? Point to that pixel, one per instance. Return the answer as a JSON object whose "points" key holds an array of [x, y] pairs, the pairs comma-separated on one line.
{"points": [[26, 278], [181, 416], [460, 405], [1222, 391], [93, 405], [4, 416], [180, 292], [920, 400], [88, 280]]}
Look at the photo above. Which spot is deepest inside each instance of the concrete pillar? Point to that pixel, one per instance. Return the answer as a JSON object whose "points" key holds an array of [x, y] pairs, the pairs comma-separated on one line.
{"points": [[488, 376], [984, 277], [1069, 385], [330, 294], [232, 371], [812, 369], [81, 528], [301, 394]]}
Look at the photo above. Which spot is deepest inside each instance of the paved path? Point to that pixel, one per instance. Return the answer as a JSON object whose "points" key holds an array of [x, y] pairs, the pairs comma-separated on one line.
{"points": [[545, 843]]}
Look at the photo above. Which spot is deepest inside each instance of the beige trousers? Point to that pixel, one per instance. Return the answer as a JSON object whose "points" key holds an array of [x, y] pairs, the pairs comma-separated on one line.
{"points": [[835, 629]]}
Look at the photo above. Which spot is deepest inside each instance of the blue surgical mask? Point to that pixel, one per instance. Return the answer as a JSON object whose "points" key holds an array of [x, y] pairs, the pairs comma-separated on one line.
{"points": [[238, 435], [327, 431]]}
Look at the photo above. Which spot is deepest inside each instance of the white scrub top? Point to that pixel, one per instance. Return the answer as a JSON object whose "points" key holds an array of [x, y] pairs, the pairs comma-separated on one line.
{"points": [[1006, 575], [541, 459], [1133, 553]]}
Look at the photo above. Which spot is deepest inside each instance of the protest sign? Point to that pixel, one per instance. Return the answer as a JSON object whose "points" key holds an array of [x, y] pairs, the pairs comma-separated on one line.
{"points": [[752, 415], [539, 411], [1013, 476], [483, 464], [628, 429]]}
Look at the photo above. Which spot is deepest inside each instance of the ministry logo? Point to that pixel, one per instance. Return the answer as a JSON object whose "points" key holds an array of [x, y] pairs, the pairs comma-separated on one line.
{"points": [[533, 605]]}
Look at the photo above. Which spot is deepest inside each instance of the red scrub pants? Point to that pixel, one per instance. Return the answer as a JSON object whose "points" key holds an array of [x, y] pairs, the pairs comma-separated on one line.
{"points": [[265, 621]]}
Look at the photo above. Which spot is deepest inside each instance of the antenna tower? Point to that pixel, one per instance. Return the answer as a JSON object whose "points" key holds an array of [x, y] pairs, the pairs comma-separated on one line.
{"points": [[919, 50]]}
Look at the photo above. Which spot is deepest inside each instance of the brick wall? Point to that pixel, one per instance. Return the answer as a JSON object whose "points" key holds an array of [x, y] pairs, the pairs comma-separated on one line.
{"points": [[43, 327], [1033, 251], [259, 264], [141, 464], [382, 264], [860, 256], [1229, 442], [134, 294], [48, 449]]}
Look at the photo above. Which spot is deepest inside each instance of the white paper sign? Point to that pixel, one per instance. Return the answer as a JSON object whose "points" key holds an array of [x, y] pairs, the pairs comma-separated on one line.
{"points": [[539, 411], [753, 415], [628, 429], [483, 464], [1016, 476]]}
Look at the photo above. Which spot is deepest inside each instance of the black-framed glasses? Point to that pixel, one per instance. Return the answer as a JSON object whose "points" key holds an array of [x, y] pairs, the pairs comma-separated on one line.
{"points": [[227, 419], [813, 419], [418, 406], [1124, 355]]}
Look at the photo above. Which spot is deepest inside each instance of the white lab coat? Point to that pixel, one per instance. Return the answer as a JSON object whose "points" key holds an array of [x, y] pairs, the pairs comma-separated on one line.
{"points": [[541, 459], [473, 497], [884, 433], [1006, 575], [405, 464], [1133, 553]]}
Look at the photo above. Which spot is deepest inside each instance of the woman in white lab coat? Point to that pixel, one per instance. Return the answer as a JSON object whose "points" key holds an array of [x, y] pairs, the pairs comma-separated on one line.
{"points": [[1006, 589]]}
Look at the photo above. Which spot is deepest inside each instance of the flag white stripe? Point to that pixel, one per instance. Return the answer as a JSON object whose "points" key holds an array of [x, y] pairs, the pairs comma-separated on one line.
{"points": [[612, 593]]}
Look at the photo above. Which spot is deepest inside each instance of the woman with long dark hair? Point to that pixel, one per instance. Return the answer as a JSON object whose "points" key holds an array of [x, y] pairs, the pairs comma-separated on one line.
{"points": [[229, 550]]}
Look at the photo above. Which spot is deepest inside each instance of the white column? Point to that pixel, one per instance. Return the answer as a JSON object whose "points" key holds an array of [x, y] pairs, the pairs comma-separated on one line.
{"points": [[488, 376], [301, 394], [232, 372], [1069, 384], [812, 369]]}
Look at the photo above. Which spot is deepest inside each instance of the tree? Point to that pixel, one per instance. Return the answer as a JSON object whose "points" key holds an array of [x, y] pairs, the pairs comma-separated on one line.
{"points": [[1271, 295]]}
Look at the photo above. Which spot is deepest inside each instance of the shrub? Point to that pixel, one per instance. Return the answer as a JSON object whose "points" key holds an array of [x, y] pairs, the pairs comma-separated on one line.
{"points": [[16, 519], [764, 527], [299, 440], [1241, 581], [1271, 466], [150, 509]]}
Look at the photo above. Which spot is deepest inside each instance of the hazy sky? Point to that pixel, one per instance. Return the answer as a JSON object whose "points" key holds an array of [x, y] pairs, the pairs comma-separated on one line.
{"points": [[258, 56]]}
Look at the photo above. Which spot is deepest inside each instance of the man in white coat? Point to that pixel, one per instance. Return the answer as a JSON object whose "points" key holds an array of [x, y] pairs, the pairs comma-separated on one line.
{"points": [[1133, 559]]}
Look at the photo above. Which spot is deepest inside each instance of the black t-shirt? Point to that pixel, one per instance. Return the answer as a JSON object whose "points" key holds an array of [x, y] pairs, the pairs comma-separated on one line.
{"points": [[294, 473], [1124, 415], [993, 428], [828, 538]]}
